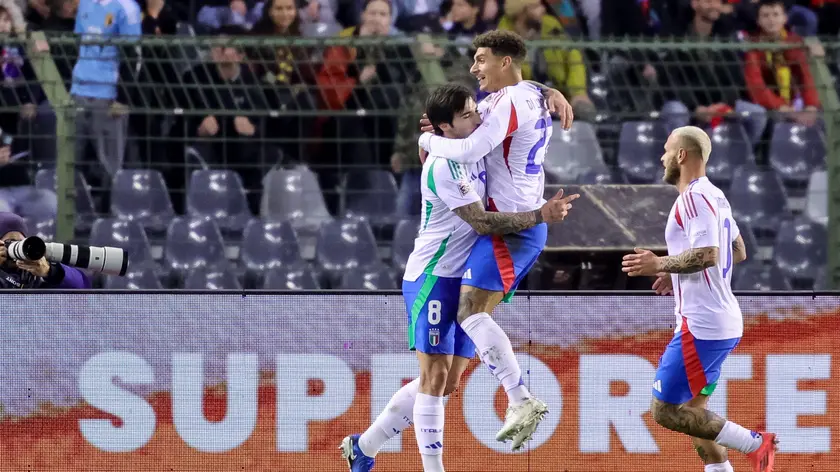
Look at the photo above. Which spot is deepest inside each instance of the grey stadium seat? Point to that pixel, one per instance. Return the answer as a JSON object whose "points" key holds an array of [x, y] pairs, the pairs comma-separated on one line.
{"points": [[128, 235], [796, 151], [220, 196], [754, 276], [192, 243], [816, 202], [85, 210], [345, 244], [758, 198], [403, 243], [371, 194], [800, 249], [731, 148], [640, 147], [379, 278], [212, 278], [268, 244], [142, 278], [291, 278], [574, 152], [141, 195]]}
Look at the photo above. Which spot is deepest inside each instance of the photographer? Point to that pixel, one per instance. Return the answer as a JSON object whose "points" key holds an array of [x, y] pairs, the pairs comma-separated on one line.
{"points": [[32, 274]]}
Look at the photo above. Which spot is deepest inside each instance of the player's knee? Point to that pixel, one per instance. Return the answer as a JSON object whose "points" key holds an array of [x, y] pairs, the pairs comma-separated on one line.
{"points": [[452, 383], [434, 379]]}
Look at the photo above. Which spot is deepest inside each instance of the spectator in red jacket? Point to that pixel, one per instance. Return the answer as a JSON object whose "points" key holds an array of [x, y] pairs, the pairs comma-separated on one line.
{"points": [[781, 80]]}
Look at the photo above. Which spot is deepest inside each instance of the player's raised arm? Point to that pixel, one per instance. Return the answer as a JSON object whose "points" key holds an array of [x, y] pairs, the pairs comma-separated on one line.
{"points": [[499, 123], [486, 222]]}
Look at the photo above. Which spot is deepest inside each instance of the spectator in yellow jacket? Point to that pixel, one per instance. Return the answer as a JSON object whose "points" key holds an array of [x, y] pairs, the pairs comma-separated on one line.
{"points": [[561, 68]]}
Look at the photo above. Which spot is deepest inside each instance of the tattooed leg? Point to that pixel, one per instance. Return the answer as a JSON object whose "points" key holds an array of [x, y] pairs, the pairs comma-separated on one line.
{"points": [[696, 422], [709, 451], [475, 300]]}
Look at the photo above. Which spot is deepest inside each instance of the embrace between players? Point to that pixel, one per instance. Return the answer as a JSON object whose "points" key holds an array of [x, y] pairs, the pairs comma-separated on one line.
{"points": [[471, 253]]}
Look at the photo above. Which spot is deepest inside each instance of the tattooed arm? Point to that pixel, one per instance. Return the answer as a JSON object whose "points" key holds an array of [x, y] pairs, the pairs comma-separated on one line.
{"points": [[739, 250], [690, 261], [487, 222]]}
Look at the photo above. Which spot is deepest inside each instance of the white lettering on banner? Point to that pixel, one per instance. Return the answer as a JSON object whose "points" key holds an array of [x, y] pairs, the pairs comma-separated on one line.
{"points": [[295, 408], [785, 402], [96, 385], [187, 402], [599, 409], [736, 367], [479, 400], [388, 371]]}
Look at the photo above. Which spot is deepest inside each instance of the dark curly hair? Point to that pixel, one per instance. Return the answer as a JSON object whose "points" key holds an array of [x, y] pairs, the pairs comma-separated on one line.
{"points": [[502, 43]]}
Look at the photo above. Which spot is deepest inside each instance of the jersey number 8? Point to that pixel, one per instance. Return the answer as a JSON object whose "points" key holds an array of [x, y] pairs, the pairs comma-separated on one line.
{"points": [[434, 312]]}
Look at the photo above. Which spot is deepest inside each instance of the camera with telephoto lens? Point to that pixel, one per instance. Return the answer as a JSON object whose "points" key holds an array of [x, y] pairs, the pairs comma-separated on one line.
{"points": [[106, 260]]}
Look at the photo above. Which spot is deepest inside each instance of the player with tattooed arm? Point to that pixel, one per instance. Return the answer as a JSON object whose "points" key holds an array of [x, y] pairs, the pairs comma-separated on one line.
{"points": [[453, 216], [704, 244]]}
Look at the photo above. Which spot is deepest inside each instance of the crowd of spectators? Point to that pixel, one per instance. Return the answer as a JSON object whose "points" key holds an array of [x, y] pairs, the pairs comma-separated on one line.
{"points": [[123, 128]]}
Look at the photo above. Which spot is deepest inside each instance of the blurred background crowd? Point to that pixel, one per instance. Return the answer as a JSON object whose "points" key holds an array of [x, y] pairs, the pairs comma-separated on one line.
{"points": [[247, 148]]}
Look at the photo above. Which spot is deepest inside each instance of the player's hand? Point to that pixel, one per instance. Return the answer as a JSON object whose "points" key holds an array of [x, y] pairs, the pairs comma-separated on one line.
{"points": [[663, 284], [426, 125], [642, 263], [243, 126], [557, 208], [39, 268], [558, 105]]}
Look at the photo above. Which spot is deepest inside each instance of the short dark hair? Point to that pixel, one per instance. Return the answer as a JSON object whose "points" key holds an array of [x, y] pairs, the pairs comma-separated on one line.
{"points": [[772, 3], [445, 102], [502, 43]]}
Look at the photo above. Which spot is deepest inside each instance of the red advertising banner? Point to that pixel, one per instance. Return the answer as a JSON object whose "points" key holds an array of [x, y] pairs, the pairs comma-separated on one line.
{"points": [[273, 383]]}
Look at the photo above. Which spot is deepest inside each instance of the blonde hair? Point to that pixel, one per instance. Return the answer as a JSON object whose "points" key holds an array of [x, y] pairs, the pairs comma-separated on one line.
{"points": [[695, 139], [15, 14]]}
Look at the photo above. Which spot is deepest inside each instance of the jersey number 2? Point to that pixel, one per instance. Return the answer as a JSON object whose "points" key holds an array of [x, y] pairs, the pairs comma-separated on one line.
{"points": [[537, 153], [727, 227]]}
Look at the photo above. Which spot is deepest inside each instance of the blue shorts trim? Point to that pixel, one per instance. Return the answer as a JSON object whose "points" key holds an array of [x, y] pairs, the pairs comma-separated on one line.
{"points": [[688, 365], [432, 306], [499, 263]]}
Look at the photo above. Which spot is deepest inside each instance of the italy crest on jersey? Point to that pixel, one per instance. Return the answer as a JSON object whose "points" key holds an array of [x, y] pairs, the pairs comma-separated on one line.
{"points": [[434, 336]]}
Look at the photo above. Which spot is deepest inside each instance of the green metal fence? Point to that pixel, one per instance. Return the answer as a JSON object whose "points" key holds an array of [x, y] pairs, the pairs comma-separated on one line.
{"points": [[343, 103]]}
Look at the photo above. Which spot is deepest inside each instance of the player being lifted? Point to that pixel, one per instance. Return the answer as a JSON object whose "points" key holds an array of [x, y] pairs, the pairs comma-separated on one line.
{"points": [[703, 245], [453, 216], [514, 134]]}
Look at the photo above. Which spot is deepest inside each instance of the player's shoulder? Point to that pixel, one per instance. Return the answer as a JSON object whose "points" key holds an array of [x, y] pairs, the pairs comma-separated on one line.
{"points": [[445, 170], [130, 8], [706, 193]]}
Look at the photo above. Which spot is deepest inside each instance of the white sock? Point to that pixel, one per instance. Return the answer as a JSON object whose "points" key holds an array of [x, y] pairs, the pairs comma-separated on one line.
{"points": [[724, 467], [428, 428], [394, 418], [734, 436], [496, 352]]}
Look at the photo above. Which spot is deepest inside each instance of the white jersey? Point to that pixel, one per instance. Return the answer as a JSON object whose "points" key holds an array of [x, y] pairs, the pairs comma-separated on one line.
{"points": [[445, 240], [702, 217], [514, 136]]}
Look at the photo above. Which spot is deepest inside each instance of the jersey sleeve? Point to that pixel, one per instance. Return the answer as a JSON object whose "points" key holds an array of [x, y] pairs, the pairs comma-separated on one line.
{"points": [[130, 20], [701, 224], [448, 180], [500, 122]]}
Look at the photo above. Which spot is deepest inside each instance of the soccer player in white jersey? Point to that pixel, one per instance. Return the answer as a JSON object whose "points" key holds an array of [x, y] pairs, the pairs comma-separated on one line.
{"points": [[453, 215], [514, 135], [704, 244]]}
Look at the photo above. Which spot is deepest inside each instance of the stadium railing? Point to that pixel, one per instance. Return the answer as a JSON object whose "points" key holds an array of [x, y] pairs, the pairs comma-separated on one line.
{"points": [[335, 126]]}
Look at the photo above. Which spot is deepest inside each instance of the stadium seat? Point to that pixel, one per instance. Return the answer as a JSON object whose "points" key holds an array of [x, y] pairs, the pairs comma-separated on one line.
{"points": [[601, 177], [368, 279], [218, 195], [269, 244], [574, 152], [372, 195], [404, 235], [821, 281], [816, 203], [212, 278], [731, 148], [142, 196], [750, 240], [85, 209], [800, 249], [754, 276], [796, 151], [640, 146], [294, 195], [128, 235], [192, 243], [43, 228], [291, 278], [139, 278], [758, 198], [345, 244]]}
